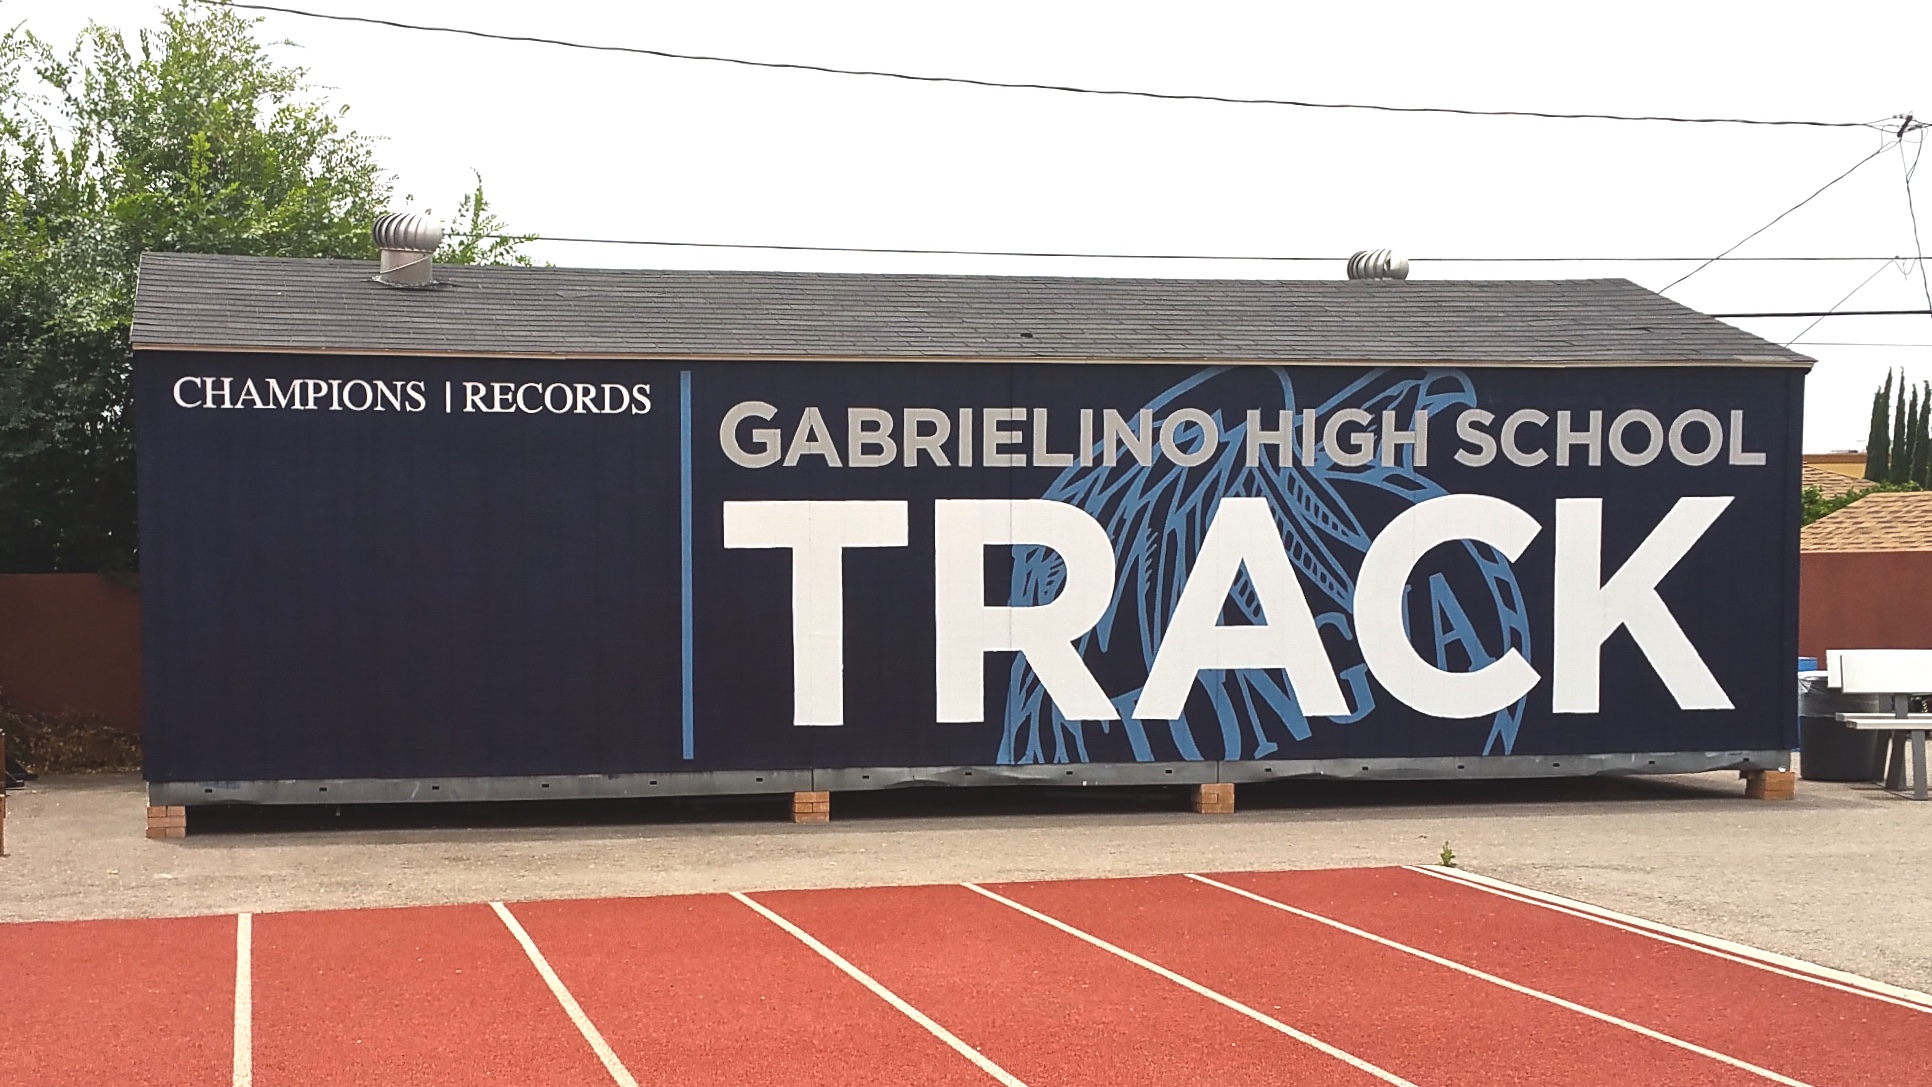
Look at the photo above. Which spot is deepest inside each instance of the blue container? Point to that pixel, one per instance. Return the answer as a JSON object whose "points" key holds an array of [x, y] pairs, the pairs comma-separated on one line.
{"points": [[398, 598]]}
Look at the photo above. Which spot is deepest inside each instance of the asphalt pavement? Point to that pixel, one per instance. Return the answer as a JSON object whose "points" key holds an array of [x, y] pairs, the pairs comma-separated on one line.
{"points": [[1841, 876]]}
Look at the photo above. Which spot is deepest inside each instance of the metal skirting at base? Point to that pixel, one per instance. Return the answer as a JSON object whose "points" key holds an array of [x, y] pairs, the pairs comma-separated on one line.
{"points": [[725, 782], [1508, 766]]}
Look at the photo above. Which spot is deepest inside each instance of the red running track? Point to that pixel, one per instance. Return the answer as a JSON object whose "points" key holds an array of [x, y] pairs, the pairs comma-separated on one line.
{"points": [[1357, 977], [706, 987], [94, 1001], [441, 995]]}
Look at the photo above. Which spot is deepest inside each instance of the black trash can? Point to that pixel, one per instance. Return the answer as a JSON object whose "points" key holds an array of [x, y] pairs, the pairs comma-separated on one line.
{"points": [[1827, 750]]}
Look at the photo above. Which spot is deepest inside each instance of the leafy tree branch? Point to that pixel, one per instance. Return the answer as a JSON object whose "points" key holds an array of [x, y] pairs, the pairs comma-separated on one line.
{"points": [[192, 138]]}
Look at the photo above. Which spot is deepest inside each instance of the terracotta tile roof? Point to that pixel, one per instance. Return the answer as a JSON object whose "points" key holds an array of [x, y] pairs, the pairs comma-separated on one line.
{"points": [[1887, 521], [1832, 484]]}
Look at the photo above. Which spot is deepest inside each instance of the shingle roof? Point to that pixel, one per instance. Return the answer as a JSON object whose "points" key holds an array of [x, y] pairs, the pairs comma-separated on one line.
{"points": [[1832, 484], [1887, 521], [263, 303]]}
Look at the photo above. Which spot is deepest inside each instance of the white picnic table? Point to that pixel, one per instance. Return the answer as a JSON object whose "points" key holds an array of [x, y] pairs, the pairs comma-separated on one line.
{"points": [[1897, 675]]}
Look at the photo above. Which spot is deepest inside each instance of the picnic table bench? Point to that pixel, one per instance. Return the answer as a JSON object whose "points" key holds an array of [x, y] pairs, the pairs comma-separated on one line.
{"points": [[1898, 675]]}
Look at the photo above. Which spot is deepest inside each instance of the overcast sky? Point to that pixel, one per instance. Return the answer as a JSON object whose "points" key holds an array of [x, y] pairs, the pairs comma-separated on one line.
{"points": [[584, 144]]}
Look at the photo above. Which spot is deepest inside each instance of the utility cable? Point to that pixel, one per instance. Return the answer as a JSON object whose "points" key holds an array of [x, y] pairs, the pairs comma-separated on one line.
{"points": [[966, 81], [1833, 312], [1780, 216], [894, 251], [1830, 313], [1842, 301], [1912, 207]]}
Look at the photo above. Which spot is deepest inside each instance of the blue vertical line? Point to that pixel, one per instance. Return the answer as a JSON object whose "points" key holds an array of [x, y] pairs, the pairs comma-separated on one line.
{"points": [[684, 530]]}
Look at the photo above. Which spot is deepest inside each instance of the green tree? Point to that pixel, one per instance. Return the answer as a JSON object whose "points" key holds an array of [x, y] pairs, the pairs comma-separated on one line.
{"points": [[1897, 466], [192, 139], [1815, 505], [475, 235], [1905, 443], [1921, 464], [1878, 444]]}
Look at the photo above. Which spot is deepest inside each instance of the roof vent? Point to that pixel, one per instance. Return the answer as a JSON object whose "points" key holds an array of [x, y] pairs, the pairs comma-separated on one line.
{"points": [[407, 241], [1377, 264]]}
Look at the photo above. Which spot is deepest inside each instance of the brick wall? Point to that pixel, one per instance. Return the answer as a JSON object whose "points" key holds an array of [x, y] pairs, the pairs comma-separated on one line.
{"points": [[1864, 600]]}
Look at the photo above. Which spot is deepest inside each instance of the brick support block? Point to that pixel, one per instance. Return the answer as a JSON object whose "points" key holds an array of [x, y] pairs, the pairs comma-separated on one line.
{"points": [[1770, 784], [1216, 798], [812, 807], [167, 822]]}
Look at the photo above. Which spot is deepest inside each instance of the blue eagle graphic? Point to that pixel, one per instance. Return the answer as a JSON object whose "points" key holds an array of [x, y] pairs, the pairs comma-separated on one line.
{"points": [[1157, 515]]}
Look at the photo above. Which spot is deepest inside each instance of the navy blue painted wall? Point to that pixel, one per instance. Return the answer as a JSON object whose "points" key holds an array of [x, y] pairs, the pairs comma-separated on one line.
{"points": [[395, 593]]}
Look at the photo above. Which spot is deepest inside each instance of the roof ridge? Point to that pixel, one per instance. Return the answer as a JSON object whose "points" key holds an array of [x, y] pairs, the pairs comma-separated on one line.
{"points": [[292, 304], [1353, 284]]}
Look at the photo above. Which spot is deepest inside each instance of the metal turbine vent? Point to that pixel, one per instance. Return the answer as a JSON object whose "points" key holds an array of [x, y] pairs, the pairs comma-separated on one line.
{"points": [[1377, 264], [406, 241]]}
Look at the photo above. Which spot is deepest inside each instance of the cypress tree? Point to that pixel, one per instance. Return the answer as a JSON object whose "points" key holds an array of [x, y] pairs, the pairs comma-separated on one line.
{"points": [[1900, 464], [1902, 435], [1905, 454], [1878, 444], [1923, 454], [1914, 423]]}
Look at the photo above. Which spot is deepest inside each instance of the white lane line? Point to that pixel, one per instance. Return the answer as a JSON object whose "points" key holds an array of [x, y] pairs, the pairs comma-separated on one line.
{"points": [[1197, 988], [1768, 961], [244, 1000], [1548, 998], [570, 1006], [959, 1046]]}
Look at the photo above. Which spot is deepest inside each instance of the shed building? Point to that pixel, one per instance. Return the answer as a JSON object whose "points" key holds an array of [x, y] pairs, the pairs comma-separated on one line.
{"points": [[534, 532]]}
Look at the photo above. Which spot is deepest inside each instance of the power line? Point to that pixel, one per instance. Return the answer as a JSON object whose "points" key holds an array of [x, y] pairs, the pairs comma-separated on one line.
{"points": [[1835, 305], [1912, 207], [1780, 216], [1833, 313], [887, 250], [966, 81], [899, 251], [1630, 260]]}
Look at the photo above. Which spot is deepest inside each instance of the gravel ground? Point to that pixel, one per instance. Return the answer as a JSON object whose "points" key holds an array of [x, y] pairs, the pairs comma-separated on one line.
{"points": [[1841, 876]]}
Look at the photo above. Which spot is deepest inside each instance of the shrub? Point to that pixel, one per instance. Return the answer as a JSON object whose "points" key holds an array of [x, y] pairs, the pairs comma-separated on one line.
{"points": [[68, 742], [1816, 505]]}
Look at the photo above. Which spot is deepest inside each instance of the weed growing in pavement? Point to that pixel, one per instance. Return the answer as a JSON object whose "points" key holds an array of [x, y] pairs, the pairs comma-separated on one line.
{"points": [[1448, 857]]}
